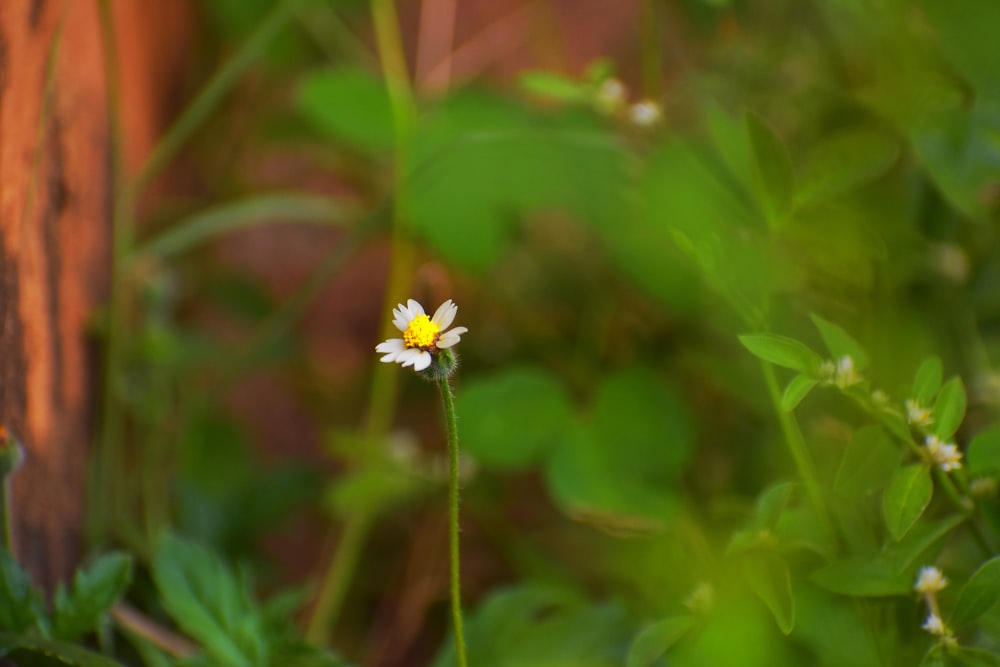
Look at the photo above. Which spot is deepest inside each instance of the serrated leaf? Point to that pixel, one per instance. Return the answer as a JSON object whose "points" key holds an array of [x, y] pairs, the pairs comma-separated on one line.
{"points": [[770, 578], [21, 605], [64, 652], [209, 602], [983, 454], [797, 389], [868, 462], [906, 498], [95, 591], [782, 351], [927, 382], [840, 343], [863, 578], [654, 642], [774, 170], [979, 594], [949, 409]]}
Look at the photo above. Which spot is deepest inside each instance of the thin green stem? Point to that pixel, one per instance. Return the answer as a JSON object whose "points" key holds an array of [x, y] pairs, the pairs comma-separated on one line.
{"points": [[385, 382], [448, 399], [338, 577], [797, 446]]}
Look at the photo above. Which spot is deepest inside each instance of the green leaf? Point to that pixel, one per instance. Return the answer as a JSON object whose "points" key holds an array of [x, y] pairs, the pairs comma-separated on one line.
{"points": [[979, 594], [553, 86], [839, 343], [774, 170], [927, 382], [208, 601], [64, 652], [844, 161], [514, 418], [797, 389], [95, 591], [919, 541], [783, 351], [540, 626], [770, 578], [868, 462], [21, 606], [863, 578], [983, 454], [949, 409], [349, 105], [906, 498], [654, 641], [974, 657]]}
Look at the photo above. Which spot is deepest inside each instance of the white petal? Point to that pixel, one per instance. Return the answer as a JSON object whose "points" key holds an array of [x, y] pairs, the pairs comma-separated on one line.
{"points": [[422, 362], [412, 357], [401, 319], [449, 338], [445, 314], [391, 348], [415, 308]]}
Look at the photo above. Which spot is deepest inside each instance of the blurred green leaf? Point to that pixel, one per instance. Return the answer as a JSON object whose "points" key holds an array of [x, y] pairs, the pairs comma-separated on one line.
{"points": [[840, 343], [844, 161], [209, 602], [21, 605], [927, 382], [537, 627], [863, 578], [774, 170], [906, 498], [770, 578], [554, 86], [350, 105], [983, 454], [868, 462], [95, 591], [973, 657], [512, 419], [836, 627], [979, 593], [654, 641], [920, 541], [506, 160], [949, 409], [783, 351], [797, 389], [65, 653]]}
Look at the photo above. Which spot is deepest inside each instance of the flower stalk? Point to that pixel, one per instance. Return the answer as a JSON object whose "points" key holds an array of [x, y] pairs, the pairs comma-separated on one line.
{"points": [[448, 401]]}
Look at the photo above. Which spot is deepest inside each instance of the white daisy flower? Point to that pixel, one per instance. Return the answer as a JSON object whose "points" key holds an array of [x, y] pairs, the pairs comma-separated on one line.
{"points": [[944, 454], [423, 336], [930, 580], [845, 375]]}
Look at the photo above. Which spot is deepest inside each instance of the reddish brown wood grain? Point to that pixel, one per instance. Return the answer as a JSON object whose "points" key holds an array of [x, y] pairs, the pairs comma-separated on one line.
{"points": [[56, 198]]}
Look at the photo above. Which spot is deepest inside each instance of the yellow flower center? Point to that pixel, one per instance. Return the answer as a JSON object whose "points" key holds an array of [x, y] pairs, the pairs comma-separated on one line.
{"points": [[421, 333]]}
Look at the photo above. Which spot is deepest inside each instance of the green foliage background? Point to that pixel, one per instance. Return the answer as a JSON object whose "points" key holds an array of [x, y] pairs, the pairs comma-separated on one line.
{"points": [[663, 464]]}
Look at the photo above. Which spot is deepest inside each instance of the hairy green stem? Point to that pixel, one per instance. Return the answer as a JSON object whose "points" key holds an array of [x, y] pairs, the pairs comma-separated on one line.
{"points": [[448, 399]]}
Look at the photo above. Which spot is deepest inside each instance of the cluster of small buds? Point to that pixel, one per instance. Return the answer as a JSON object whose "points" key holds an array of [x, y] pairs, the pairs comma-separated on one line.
{"points": [[841, 373], [610, 97], [917, 414], [943, 454], [930, 582]]}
